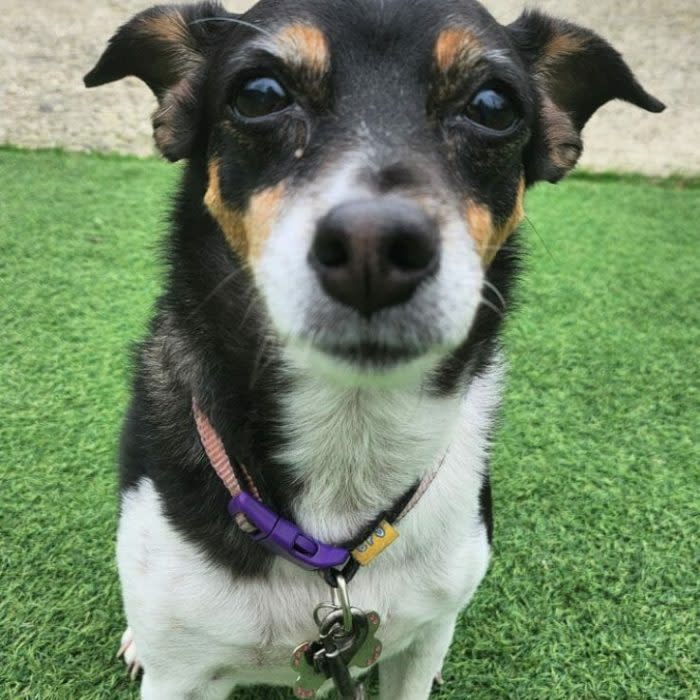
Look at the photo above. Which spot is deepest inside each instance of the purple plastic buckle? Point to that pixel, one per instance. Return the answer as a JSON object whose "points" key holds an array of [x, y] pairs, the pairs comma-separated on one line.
{"points": [[284, 538]]}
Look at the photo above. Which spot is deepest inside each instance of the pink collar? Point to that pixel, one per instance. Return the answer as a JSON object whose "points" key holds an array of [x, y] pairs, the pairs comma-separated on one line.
{"points": [[283, 537]]}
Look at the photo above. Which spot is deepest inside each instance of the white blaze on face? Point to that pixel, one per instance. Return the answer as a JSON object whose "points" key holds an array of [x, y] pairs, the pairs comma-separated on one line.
{"points": [[441, 310], [287, 281]]}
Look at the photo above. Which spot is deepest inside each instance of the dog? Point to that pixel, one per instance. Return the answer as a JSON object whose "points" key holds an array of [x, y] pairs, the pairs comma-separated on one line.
{"points": [[342, 251]]}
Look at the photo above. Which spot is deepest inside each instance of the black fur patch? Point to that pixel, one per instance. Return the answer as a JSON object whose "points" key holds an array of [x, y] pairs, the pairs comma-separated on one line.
{"points": [[486, 506], [476, 353]]}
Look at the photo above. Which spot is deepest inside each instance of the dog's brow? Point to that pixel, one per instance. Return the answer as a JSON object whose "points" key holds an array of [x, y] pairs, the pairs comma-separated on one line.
{"points": [[300, 45], [457, 47]]}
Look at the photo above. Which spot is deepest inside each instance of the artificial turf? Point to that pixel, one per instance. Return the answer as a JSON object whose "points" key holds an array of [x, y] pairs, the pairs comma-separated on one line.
{"points": [[594, 588]]}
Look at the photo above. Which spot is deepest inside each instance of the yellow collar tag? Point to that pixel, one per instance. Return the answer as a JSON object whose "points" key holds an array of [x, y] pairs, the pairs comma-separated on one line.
{"points": [[375, 544]]}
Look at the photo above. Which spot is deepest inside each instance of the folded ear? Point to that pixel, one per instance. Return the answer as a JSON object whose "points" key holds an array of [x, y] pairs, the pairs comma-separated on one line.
{"points": [[576, 72], [166, 47]]}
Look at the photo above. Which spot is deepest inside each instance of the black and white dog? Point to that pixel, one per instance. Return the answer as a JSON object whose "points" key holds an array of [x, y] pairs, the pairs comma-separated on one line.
{"points": [[337, 277]]}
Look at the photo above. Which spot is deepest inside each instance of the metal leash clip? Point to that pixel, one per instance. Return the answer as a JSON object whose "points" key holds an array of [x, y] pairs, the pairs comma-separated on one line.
{"points": [[346, 639]]}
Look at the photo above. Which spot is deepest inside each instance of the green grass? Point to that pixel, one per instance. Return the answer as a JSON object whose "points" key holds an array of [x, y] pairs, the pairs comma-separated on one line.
{"points": [[594, 589]]}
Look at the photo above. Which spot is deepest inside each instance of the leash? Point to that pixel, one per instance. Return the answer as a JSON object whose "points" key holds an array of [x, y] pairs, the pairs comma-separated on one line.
{"points": [[346, 634]]}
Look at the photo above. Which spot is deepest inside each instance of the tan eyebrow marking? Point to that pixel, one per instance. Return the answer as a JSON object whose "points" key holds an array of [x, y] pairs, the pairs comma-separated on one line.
{"points": [[246, 231], [457, 46], [489, 238], [305, 44]]}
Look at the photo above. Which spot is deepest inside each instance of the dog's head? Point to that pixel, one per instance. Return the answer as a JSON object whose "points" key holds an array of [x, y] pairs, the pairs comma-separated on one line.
{"points": [[366, 160]]}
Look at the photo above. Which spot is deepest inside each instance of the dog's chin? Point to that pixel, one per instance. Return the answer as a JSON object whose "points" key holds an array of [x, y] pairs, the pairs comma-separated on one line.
{"points": [[366, 364]]}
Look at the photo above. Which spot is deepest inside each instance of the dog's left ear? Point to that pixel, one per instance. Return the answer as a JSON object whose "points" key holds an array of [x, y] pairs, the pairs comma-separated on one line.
{"points": [[575, 72], [166, 47]]}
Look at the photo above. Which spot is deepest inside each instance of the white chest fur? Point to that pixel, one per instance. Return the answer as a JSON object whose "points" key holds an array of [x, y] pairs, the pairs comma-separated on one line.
{"points": [[192, 617]]}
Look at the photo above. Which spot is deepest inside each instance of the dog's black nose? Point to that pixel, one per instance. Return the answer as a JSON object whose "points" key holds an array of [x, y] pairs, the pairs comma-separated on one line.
{"points": [[374, 253]]}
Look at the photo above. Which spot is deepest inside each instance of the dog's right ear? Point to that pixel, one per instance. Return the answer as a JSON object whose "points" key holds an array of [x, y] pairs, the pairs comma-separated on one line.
{"points": [[576, 72], [166, 47]]}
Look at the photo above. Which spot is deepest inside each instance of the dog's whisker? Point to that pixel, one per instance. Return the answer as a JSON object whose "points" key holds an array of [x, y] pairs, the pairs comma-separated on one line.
{"points": [[537, 233], [498, 248], [225, 282], [254, 375], [493, 307], [259, 366], [164, 111], [253, 298], [497, 292], [232, 20]]}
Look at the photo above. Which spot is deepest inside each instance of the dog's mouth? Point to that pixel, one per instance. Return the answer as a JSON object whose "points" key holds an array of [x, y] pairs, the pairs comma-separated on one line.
{"points": [[367, 348], [365, 363], [370, 355], [412, 336]]}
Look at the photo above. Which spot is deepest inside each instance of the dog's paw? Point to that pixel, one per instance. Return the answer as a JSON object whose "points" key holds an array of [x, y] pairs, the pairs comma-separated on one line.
{"points": [[127, 651]]}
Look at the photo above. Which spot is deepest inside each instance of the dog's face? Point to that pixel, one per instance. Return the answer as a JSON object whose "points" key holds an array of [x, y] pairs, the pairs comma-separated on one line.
{"points": [[366, 161], [381, 152]]}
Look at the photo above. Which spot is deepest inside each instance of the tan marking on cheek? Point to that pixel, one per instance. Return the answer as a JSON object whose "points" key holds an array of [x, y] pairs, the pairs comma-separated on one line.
{"points": [[245, 231], [456, 46], [480, 225], [259, 218], [306, 44], [503, 232], [230, 220], [489, 238]]}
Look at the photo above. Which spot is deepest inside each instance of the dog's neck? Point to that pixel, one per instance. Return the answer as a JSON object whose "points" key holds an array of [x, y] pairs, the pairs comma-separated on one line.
{"points": [[356, 451], [330, 457]]}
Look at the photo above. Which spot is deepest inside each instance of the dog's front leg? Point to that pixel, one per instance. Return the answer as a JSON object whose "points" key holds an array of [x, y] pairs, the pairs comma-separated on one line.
{"points": [[166, 687], [409, 675]]}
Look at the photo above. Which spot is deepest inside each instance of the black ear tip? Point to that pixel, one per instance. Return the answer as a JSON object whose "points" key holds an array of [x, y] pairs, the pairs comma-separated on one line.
{"points": [[94, 78], [654, 105], [639, 97], [104, 72]]}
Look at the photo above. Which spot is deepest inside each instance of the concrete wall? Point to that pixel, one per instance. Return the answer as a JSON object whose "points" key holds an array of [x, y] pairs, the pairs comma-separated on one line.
{"points": [[46, 48]]}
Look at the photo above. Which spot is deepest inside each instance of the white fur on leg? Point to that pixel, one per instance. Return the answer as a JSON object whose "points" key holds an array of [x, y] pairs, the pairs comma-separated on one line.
{"points": [[127, 651], [155, 688], [410, 674]]}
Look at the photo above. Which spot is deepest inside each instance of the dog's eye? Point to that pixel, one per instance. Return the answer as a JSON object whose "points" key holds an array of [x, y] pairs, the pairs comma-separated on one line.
{"points": [[260, 97], [493, 109]]}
